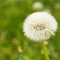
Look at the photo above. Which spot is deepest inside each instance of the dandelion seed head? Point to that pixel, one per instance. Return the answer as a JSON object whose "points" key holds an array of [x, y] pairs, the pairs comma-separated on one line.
{"points": [[39, 26], [37, 5]]}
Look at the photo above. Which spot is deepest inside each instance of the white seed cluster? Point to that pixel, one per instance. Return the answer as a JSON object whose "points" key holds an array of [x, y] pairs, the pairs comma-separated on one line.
{"points": [[39, 26]]}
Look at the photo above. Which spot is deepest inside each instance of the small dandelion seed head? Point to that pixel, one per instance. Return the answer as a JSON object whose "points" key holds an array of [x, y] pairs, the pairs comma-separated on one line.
{"points": [[39, 26], [37, 5]]}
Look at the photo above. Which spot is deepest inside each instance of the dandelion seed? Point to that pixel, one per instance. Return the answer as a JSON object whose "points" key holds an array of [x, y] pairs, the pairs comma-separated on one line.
{"points": [[39, 26]]}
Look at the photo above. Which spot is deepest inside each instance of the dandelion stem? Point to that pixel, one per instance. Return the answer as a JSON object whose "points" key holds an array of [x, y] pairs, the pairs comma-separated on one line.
{"points": [[45, 51]]}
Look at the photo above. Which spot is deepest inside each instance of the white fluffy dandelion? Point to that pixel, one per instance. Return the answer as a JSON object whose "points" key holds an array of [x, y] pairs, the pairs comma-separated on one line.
{"points": [[39, 26], [37, 5]]}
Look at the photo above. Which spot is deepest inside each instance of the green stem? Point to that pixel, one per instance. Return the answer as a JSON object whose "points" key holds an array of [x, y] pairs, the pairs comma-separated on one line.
{"points": [[45, 51]]}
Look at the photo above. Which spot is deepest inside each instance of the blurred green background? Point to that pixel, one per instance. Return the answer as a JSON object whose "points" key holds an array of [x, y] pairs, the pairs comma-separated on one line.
{"points": [[13, 44]]}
